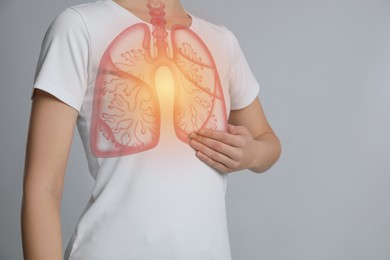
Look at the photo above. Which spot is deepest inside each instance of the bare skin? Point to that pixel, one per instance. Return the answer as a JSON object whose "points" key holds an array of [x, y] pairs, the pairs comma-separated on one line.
{"points": [[49, 139], [174, 11], [250, 143]]}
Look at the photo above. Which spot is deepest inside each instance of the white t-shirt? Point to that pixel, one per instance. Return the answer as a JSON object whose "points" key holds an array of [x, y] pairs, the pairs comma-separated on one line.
{"points": [[138, 95]]}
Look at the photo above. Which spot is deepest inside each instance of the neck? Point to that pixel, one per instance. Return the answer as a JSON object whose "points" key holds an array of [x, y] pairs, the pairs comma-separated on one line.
{"points": [[172, 7], [174, 13]]}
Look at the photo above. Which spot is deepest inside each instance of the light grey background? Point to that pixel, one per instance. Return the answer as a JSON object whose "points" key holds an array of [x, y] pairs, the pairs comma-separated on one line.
{"points": [[324, 68]]}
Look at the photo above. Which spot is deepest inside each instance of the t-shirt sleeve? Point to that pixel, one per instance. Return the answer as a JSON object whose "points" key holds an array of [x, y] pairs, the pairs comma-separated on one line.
{"points": [[63, 60], [244, 87]]}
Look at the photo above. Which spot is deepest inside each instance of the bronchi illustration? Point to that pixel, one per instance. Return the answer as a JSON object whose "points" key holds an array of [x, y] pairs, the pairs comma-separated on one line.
{"points": [[126, 110]]}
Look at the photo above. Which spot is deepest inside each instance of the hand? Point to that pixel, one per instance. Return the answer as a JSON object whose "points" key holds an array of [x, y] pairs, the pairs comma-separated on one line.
{"points": [[227, 152]]}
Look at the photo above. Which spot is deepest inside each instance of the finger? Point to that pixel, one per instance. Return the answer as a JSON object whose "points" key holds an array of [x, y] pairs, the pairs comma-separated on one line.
{"points": [[221, 136], [217, 146], [212, 154], [214, 164]]}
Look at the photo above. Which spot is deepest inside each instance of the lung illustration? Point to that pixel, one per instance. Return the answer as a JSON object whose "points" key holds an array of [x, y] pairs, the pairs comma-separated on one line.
{"points": [[126, 111]]}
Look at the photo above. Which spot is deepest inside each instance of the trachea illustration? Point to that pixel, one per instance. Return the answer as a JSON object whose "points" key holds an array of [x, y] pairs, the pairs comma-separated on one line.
{"points": [[126, 110]]}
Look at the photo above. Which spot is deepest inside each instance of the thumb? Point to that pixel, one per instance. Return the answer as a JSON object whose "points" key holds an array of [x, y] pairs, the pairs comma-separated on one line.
{"points": [[237, 130], [232, 129]]}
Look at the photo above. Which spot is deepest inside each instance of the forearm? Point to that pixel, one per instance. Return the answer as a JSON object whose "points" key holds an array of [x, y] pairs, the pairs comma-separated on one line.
{"points": [[266, 151], [49, 140], [41, 227]]}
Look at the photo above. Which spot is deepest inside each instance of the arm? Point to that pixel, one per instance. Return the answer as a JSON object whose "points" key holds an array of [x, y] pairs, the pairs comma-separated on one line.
{"points": [[250, 143], [48, 144]]}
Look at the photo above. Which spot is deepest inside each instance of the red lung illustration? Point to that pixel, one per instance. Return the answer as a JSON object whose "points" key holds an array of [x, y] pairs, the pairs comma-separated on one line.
{"points": [[199, 100], [126, 112]]}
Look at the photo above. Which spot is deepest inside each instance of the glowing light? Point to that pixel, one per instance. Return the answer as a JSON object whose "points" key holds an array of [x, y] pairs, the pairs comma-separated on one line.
{"points": [[165, 86], [165, 91], [136, 101]]}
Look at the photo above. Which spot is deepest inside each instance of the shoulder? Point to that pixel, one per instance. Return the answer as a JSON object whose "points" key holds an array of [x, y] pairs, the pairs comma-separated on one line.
{"points": [[92, 9], [67, 22], [75, 16], [218, 29], [71, 24], [66, 18], [216, 33]]}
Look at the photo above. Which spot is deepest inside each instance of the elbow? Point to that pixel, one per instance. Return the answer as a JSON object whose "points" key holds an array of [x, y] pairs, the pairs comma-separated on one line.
{"points": [[37, 188], [268, 158]]}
